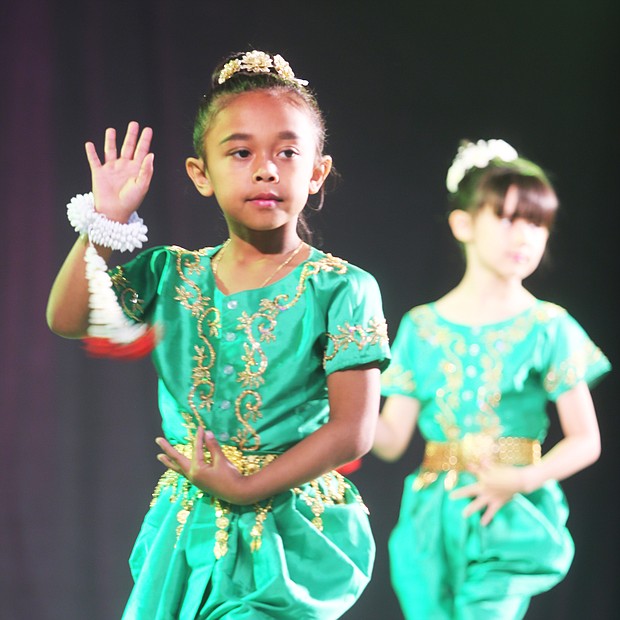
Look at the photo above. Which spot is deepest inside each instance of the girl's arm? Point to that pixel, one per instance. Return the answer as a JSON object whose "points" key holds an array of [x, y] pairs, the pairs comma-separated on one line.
{"points": [[119, 186], [580, 447], [354, 401], [67, 306], [395, 427]]}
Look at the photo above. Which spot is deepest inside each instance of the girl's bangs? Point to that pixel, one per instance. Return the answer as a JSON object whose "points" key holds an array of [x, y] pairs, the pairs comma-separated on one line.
{"points": [[536, 202]]}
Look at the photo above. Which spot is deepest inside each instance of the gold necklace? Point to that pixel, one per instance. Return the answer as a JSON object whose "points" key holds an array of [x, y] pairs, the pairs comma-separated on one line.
{"points": [[215, 262]]}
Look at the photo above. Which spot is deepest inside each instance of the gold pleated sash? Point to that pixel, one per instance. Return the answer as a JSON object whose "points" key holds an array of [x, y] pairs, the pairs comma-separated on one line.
{"points": [[452, 457]]}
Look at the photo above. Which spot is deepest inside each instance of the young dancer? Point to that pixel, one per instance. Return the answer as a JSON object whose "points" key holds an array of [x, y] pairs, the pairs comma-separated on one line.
{"points": [[482, 521], [268, 353]]}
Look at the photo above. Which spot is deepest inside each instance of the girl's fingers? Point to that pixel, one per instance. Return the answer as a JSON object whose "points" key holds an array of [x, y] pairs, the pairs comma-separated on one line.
{"points": [[129, 143], [144, 143], [199, 455], [91, 155], [212, 445], [472, 468], [469, 490], [169, 463], [145, 174], [488, 515], [474, 506], [180, 462], [109, 145]]}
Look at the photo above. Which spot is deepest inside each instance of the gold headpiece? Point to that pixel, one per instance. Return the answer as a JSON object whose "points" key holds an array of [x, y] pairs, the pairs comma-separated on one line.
{"points": [[260, 62]]}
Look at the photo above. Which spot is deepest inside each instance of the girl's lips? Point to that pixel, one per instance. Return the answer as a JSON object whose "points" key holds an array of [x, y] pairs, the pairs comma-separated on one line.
{"points": [[518, 257], [265, 200], [265, 197]]}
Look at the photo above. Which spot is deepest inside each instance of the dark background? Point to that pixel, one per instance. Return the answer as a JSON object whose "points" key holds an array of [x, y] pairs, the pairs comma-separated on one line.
{"points": [[400, 83]]}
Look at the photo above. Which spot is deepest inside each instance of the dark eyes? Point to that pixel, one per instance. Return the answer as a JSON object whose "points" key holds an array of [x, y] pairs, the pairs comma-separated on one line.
{"points": [[241, 153], [245, 153]]}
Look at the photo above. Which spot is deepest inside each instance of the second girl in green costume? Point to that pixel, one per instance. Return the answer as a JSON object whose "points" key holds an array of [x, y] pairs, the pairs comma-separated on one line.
{"points": [[482, 525]]}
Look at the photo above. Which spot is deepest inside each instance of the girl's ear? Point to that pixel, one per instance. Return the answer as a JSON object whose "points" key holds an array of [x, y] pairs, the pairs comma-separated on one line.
{"points": [[461, 225], [319, 174], [197, 172]]}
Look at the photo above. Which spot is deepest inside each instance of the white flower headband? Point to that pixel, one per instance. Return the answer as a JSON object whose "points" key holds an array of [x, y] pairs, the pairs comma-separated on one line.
{"points": [[477, 155], [259, 62]]}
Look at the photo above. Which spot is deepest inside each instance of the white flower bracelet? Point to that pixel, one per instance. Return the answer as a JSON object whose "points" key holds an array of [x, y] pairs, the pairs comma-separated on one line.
{"points": [[103, 231]]}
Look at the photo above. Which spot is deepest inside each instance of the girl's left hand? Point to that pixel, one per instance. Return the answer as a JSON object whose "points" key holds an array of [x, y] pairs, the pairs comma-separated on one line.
{"points": [[219, 478], [495, 486]]}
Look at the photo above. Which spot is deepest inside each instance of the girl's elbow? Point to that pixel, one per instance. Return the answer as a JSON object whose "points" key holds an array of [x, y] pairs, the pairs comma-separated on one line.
{"points": [[388, 453], [58, 324], [54, 317], [53, 322], [394, 456], [55, 325], [361, 446], [591, 451], [595, 451]]}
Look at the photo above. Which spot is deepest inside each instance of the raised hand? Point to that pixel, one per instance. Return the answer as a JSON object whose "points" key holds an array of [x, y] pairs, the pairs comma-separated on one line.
{"points": [[120, 183]]}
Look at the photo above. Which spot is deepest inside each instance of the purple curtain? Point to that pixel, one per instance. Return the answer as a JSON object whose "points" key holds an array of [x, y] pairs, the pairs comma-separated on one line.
{"points": [[400, 87]]}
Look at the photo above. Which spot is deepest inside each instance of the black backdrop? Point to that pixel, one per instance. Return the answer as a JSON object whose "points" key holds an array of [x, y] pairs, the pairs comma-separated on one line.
{"points": [[401, 83]]}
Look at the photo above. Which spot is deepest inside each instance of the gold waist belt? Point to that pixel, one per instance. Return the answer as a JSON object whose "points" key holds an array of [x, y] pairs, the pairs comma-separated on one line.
{"points": [[455, 456], [246, 464]]}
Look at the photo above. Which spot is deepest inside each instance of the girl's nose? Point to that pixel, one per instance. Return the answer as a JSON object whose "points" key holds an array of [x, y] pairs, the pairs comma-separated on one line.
{"points": [[267, 172], [523, 231]]}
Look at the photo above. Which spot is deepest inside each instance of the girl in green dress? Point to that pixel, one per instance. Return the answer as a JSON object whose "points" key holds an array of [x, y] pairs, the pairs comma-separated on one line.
{"points": [[482, 520], [268, 353]]}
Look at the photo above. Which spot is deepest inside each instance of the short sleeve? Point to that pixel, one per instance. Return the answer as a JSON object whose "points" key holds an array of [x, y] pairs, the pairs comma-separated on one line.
{"points": [[399, 377], [571, 357], [137, 282], [356, 327]]}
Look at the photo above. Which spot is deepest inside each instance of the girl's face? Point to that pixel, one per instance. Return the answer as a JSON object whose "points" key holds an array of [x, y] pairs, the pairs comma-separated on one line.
{"points": [[508, 249], [261, 162]]}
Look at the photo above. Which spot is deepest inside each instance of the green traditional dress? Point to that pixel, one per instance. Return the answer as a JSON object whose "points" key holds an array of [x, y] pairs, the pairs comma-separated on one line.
{"points": [[252, 367], [483, 393]]}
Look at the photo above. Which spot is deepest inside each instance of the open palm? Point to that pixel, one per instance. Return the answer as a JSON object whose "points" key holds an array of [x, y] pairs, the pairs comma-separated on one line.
{"points": [[121, 182]]}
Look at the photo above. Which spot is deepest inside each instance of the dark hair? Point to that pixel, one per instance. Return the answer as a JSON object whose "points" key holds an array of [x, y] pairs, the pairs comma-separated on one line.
{"points": [[537, 201], [243, 81]]}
